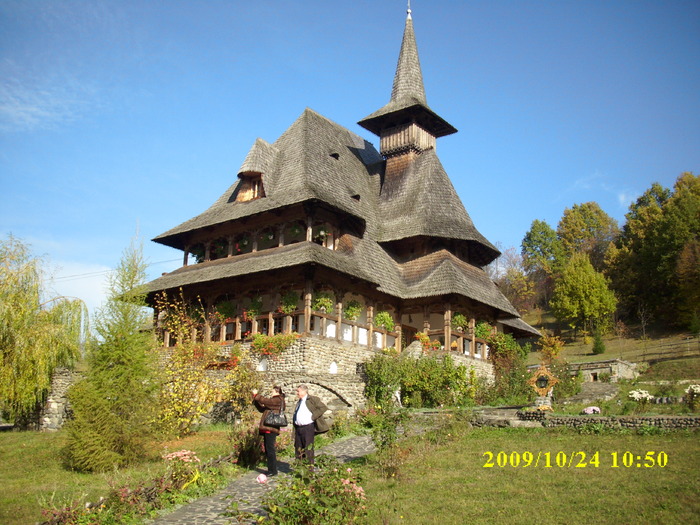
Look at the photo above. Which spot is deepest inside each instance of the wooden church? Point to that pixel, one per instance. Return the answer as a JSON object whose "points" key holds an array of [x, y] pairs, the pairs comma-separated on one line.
{"points": [[323, 235]]}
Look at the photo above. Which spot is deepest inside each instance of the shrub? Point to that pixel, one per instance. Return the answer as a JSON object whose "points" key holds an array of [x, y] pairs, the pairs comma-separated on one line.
{"points": [[187, 393], [328, 493], [272, 345]]}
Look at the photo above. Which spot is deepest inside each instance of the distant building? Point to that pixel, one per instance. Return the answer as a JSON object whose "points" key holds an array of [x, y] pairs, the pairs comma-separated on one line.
{"points": [[321, 213]]}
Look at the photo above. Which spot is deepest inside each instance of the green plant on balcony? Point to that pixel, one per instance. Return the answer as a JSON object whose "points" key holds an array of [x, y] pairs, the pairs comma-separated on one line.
{"points": [[226, 310], [483, 330], [323, 302], [352, 310], [289, 302], [383, 319], [254, 309], [460, 322]]}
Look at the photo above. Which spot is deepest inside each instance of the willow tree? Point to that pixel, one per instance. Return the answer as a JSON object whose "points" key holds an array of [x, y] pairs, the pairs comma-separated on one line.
{"points": [[36, 334]]}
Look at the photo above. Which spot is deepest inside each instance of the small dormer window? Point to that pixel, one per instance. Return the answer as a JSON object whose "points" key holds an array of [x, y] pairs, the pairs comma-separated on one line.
{"points": [[251, 187]]}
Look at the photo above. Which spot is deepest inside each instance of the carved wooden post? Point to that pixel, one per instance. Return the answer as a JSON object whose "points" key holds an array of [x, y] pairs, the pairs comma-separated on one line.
{"points": [[185, 258], [426, 319], [370, 322], [339, 294], [309, 228], [472, 335], [270, 323], [448, 326], [308, 293], [230, 246], [207, 251], [237, 332]]}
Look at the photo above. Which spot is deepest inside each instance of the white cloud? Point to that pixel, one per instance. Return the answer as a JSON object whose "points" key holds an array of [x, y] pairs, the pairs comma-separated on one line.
{"points": [[29, 102]]}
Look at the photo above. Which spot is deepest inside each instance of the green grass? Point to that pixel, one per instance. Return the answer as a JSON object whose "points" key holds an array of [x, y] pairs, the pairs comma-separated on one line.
{"points": [[33, 478], [448, 483]]}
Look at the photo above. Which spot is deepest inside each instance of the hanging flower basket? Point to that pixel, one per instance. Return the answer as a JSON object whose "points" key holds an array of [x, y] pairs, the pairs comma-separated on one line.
{"points": [[323, 302], [352, 310]]}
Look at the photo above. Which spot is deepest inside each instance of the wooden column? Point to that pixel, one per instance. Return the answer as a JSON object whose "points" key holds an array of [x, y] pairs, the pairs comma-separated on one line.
{"points": [[339, 294], [472, 341], [237, 331], [448, 326], [426, 319], [230, 246], [270, 324], [308, 294], [370, 330], [186, 256]]}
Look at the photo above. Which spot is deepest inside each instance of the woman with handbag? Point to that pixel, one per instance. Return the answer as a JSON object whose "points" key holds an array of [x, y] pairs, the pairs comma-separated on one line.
{"points": [[271, 407]]}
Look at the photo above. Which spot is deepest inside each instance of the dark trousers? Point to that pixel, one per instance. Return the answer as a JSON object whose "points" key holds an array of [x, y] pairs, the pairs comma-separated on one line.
{"points": [[304, 442], [269, 439]]}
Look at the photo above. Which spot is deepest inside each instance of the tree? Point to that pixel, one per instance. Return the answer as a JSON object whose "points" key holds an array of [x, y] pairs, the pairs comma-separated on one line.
{"points": [[515, 284], [581, 295], [36, 335], [543, 257], [631, 263], [586, 228], [114, 405], [649, 264]]}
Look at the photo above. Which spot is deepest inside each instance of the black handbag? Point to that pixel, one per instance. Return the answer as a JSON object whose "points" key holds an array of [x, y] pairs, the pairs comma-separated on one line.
{"points": [[276, 419]]}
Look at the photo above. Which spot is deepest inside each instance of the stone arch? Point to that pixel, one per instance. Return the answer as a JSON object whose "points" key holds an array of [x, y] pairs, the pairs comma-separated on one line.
{"points": [[330, 392]]}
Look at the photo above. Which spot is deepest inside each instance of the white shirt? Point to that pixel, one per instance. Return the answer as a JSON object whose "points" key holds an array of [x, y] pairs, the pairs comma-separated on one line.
{"points": [[302, 415]]}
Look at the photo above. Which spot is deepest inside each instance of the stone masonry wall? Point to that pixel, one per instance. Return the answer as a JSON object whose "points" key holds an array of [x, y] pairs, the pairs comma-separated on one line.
{"points": [[57, 407], [332, 369], [631, 422]]}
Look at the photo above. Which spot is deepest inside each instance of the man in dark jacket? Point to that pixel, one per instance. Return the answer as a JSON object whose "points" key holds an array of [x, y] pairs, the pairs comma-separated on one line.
{"points": [[308, 421]]}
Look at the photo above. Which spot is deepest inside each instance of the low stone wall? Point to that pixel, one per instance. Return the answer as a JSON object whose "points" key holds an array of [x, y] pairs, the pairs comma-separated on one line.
{"points": [[631, 422]]}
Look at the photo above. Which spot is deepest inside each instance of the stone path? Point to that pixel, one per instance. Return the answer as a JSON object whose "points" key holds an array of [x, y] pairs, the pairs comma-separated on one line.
{"points": [[246, 489]]}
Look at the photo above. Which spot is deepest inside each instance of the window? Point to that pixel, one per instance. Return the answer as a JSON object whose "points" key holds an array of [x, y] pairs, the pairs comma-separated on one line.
{"points": [[251, 187]]}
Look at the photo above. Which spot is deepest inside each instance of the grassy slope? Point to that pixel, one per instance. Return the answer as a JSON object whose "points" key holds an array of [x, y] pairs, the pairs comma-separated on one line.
{"points": [[451, 482], [33, 478]]}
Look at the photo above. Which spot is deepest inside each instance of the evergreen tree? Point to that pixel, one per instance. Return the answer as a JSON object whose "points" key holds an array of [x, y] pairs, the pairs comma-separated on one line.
{"points": [[36, 335], [114, 406]]}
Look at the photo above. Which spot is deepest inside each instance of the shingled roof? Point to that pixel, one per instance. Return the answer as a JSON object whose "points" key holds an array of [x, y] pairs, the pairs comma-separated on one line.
{"points": [[423, 202], [315, 159], [408, 101]]}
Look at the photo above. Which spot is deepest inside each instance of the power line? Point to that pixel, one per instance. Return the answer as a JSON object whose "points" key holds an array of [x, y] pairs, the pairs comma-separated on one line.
{"points": [[101, 272]]}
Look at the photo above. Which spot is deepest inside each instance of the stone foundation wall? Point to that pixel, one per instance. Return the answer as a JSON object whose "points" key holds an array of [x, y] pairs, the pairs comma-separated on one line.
{"points": [[332, 369]]}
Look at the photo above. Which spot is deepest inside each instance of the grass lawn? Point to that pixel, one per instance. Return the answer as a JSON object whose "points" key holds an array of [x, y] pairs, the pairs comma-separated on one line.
{"points": [[33, 478], [448, 483]]}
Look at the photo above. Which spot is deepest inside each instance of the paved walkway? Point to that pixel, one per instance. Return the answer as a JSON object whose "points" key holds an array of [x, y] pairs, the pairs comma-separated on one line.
{"points": [[248, 492]]}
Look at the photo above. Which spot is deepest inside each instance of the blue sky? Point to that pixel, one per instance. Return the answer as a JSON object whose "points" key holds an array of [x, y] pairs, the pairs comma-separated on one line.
{"points": [[120, 117]]}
